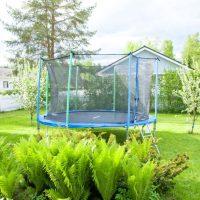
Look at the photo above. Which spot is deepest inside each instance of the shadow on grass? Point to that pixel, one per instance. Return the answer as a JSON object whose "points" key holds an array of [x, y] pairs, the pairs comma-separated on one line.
{"points": [[120, 133], [13, 138]]}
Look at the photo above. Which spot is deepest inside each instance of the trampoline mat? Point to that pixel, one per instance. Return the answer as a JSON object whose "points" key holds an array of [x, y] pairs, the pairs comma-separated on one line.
{"points": [[91, 117]]}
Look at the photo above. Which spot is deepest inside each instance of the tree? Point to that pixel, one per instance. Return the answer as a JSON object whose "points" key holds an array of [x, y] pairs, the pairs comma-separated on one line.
{"points": [[167, 48], [168, 99], [48, 27], [133, 45], [25, 87], [190, 92], [191, 51]]}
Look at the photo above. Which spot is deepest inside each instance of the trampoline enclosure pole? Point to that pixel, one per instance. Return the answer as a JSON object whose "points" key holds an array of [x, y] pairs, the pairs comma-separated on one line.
{"points": [[136, 89], [68, 89], [76, 105], [114, 89], [129, 92], [47, 92], [38, 95], [156, 89]]}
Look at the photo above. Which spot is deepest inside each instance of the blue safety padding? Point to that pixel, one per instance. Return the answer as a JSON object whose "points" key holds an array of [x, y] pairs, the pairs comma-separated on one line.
{"points": [[51, 123]]}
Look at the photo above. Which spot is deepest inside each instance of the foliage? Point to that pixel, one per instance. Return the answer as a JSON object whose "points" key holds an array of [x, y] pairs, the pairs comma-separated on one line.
{"points": [[169, 101], [25, 87], [165, 172], [139, 178], [190, 92], [171, 131], [69, 171], [134, 45], [191, 50], [141, 150], [167, 48], [30, 163], [107, 167], [83, 166], [8, 92], [48, 27], [9, 172]]}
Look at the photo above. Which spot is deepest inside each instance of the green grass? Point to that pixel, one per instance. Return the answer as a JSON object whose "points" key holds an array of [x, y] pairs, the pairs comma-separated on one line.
{"points": [[174, 139], [171, 129]]}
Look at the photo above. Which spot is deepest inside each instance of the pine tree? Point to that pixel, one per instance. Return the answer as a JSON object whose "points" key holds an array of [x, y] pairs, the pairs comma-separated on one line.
{"points": [[48, 27]]}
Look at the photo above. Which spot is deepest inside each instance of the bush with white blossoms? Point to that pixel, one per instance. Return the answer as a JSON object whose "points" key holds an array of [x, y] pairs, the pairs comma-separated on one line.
{"points": [[25, 86], [190, 92]]}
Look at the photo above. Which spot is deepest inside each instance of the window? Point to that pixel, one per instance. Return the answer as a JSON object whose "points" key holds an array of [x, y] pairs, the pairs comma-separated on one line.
{"points": [[5, 84]]}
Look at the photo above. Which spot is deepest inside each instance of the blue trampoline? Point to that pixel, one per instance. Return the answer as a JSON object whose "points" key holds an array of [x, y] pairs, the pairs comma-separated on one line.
{"points": [[97, 90]]}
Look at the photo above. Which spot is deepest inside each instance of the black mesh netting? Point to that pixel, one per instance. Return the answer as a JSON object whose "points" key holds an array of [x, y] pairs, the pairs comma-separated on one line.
{"points": [[99, 85]]}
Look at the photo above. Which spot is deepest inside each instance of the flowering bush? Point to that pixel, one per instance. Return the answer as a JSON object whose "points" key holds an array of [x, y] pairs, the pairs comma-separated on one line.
{"points": [[25, 86]]}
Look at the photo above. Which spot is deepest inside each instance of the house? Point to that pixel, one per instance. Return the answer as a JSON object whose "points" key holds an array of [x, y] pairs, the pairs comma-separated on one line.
{"points": [[5, 79], [166, 63], [7, 102]]}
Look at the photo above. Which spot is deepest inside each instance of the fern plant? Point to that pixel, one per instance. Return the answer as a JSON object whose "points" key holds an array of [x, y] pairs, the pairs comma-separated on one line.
{"points": [[139, 178], [106, 167], [69, 171], [9, 173], [8, 183], [141, 150], [28, 157]]}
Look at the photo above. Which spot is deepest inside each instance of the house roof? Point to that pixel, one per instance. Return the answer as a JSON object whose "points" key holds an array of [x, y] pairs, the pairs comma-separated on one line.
{"points": [[5, 72], [159, 55], [147, 52]]}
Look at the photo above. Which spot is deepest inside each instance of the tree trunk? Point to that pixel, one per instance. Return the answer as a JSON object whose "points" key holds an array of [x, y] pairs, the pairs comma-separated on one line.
{"points": [[31, 115], [52, 32], [48, 48], [193, 122]]}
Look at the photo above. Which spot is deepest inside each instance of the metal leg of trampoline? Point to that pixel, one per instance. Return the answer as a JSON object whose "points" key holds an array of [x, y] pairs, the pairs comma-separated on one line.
{"points": [[38, 128], [127, 132], [154, 138], [141, 132], [149, 134], [47, 134]]}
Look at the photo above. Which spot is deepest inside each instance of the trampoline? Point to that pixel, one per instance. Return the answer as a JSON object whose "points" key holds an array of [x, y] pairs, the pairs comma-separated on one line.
{"points": [[92, 119], [97, 90]]}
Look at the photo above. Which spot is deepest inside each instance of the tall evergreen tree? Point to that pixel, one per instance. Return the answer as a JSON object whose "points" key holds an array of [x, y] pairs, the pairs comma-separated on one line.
{"points": [[167, 48], [49, 27]]}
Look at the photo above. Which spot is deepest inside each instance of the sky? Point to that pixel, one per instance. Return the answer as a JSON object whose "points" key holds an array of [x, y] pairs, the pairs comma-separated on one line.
{"points": [[120, 21]]}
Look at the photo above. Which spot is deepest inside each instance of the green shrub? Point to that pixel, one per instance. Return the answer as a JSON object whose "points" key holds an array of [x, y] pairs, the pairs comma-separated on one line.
{"points": [[168, 100], [28, 156], [69, 171], [9, 172], [107, 167], [166, 172], [83, 166]]}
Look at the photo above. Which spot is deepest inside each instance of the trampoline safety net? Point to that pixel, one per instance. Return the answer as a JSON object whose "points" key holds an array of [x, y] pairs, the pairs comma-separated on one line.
{"points": [[103, 88]]}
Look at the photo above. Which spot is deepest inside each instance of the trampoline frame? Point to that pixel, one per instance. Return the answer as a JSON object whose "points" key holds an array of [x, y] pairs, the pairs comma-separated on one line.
{"points": [[54, 123], [152, 119]]}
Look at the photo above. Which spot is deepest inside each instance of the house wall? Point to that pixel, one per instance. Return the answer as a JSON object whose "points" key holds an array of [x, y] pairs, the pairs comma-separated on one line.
{"points": [[2, 79], [8, 103]]}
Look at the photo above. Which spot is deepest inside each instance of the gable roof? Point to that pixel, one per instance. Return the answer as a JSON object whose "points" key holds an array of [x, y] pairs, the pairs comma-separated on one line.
{"points": [[158, 54], [149, 53], [5, 72]]}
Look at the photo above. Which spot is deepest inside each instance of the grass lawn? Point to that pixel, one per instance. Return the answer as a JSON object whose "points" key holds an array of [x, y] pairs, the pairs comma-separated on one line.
{"points": [[174, 139]]}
